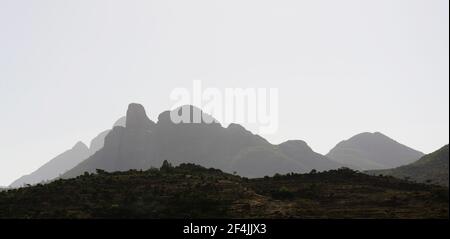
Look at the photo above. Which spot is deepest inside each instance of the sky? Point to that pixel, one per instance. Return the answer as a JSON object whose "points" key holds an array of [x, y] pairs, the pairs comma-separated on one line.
{"points": [[69, 68]]}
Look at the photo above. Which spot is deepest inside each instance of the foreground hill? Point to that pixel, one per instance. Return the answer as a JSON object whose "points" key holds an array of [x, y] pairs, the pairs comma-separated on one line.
{"points": [[369, 151], [190, 191], [431, 168]]}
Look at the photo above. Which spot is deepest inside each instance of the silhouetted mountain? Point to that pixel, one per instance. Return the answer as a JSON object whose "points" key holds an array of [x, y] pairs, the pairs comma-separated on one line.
{"points": [[143, 144], [431, 168], [65, 161], [190, 191], [56, 166], [98, 142], [306, 157], [368, 151], [122, 121]]}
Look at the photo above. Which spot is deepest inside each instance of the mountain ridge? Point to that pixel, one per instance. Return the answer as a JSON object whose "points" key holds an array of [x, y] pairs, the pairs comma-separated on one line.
{"points": [[144, 144], [60, 163], [367, 150], [64, 161]]}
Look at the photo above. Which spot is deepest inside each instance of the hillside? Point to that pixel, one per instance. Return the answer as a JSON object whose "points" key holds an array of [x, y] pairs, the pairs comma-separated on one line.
{"points": [[431, 168], [190, 191], [369, 151]]}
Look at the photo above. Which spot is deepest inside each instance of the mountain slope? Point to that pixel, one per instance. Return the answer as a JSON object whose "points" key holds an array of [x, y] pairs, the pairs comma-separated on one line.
{"points": [[368, 151], [190, 191], [306, 157], [65, 161], [56, 166], [431, 168], [98, 142], [143, 144]]}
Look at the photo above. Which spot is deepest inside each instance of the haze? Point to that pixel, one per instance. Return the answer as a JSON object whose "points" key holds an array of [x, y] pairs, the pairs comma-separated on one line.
{"points": [[68, 69]]}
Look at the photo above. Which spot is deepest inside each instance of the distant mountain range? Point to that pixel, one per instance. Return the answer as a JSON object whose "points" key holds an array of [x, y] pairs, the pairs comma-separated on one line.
{"points": [[373, 151], [65, 161], [431, 168], [136, 142], [56, 166], [143, 144]]}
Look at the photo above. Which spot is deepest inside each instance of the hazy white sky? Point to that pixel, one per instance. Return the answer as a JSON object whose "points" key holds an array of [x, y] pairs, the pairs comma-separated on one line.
{"points": [[68, 69]]}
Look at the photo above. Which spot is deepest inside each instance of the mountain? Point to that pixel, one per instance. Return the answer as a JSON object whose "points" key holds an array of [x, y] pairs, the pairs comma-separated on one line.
{"points": [[367, 151], [431, 168], [56, 166], [143, 144], [98, 142], [191, 191], [306, 157], [65, 161]]}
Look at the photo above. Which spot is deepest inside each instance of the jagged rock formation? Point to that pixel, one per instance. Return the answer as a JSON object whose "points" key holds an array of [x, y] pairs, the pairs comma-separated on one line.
{"points": [[143, 144], [137, 118]]}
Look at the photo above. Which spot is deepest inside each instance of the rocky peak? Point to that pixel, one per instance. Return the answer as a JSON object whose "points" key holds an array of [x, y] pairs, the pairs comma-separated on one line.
{"points": [[186, 114], [299, 145], [80, 146], [137, 118]]}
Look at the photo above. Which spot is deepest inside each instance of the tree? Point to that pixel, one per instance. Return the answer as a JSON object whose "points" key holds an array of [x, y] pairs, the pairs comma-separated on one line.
{"points": [[100, 171], [166, 166]]}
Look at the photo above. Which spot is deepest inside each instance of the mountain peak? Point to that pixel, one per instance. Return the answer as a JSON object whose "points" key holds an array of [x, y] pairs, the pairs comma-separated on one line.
{"points": [[186, 114], [80, 145], [238, 127], [300, 144], [137, 118], [373, 151], [369, 134], [192, 112]]}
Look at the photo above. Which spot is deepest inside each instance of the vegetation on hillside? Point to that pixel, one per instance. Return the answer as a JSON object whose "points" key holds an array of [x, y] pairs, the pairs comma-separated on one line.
{"points": [[430, 169], [191, 191]]}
